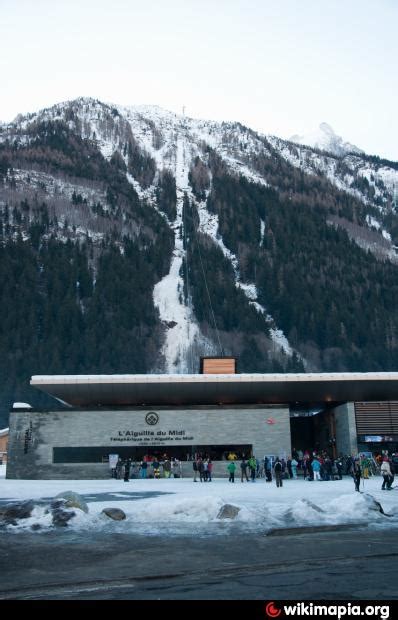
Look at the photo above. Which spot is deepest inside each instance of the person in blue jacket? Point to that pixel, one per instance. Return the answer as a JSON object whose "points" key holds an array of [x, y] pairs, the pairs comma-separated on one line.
{"points": [[316, 468]]}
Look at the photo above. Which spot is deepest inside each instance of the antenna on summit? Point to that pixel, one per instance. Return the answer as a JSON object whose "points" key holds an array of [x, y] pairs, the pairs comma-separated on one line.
{"points": [[183, 110]]}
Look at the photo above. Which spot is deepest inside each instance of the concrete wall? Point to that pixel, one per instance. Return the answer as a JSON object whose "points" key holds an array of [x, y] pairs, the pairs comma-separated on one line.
{"points": [[34, 434], [346, 430]]}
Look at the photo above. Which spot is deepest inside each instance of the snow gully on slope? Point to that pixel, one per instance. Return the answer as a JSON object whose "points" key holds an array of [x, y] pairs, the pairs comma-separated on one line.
{"points": [[168, 294]]}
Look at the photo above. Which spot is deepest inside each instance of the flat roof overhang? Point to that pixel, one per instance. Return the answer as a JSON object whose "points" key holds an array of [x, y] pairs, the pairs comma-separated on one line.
{"points": [[239, 389]]}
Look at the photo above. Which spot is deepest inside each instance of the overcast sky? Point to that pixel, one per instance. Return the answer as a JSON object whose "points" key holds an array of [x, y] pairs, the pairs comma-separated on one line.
{"points": [[278, 66]]}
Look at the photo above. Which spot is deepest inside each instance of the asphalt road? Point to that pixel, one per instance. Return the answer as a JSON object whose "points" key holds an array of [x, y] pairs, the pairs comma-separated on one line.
{"points": [[311, 564]]}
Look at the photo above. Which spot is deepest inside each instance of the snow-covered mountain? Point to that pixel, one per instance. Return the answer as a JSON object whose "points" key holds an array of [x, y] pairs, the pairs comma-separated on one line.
{"points": [[325, 139], [197, 193], [156, 132]]}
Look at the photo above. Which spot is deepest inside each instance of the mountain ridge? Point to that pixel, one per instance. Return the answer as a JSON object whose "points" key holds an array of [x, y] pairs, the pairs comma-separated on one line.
{"points": [[324, 138], [246, 241]]}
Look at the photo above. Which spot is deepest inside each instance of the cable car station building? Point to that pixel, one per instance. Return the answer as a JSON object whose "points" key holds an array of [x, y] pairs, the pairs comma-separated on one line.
{"points": [[212, 413]]}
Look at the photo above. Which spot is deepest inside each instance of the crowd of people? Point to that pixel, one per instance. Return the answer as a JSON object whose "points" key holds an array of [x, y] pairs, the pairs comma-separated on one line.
{"points": [[311, 465], [149, 467], [314, 466]]}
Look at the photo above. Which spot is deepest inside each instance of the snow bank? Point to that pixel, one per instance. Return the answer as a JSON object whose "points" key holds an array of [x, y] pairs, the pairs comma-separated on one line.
{"points": [[171, 507]]}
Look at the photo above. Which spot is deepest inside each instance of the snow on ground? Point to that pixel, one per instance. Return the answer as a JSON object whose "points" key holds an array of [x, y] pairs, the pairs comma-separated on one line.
{"points": [[180, 506], [241, 169], [341, 171], [373, 223], [262, 232], [53, 186]]}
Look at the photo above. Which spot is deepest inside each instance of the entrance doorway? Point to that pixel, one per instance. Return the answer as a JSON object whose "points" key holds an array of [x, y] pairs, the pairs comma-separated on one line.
{"points": [[313, 429]]}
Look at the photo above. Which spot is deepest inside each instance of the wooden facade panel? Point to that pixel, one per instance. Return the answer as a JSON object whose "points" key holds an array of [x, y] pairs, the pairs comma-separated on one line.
{"points": [[3, 446], [377, 418], [218, 366]]}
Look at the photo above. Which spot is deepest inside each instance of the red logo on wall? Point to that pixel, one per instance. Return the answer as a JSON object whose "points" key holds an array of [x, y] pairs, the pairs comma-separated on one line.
{"points": [[271, 421]]}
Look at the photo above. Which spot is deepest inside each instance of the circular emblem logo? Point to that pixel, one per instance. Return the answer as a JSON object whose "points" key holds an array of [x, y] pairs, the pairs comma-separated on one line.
{"points": [[152, 418], [272, 611]]}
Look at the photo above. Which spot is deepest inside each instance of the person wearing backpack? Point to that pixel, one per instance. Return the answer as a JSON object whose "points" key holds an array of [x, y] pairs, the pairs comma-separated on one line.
{"points": [[201, 469], [268, 469], [144, 467], [209, 470], [243, 467], [253, 465], [231, 468], [294, 465], [195, 469], [278, 470], [356, 473], [385, 471]]}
